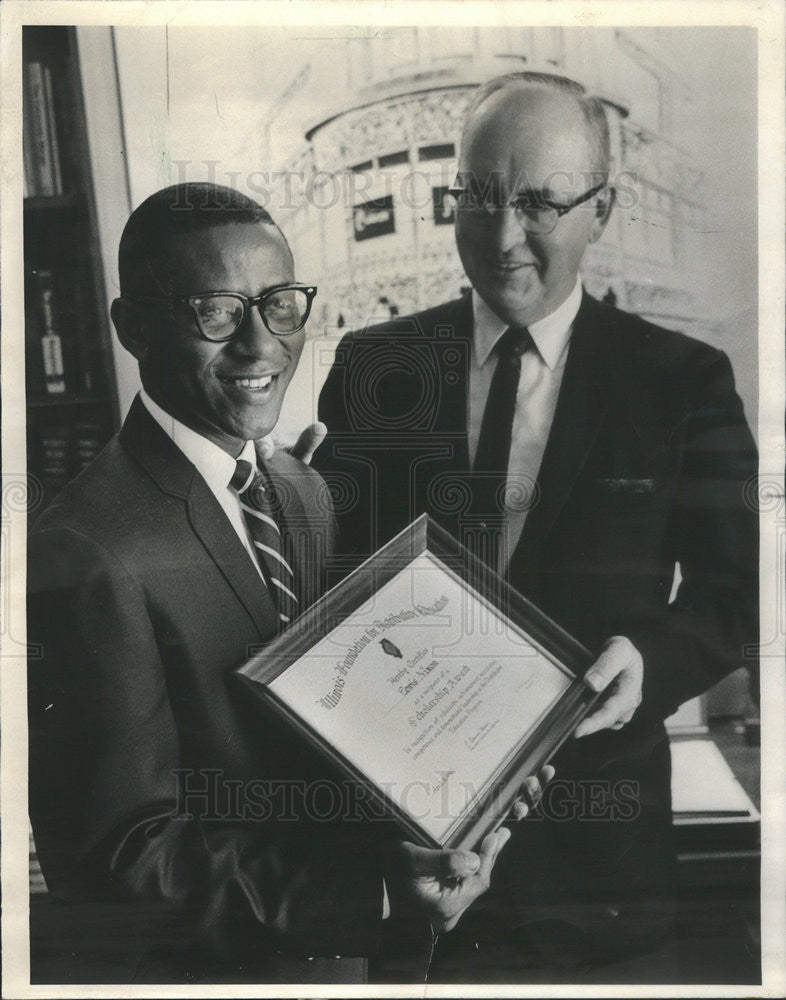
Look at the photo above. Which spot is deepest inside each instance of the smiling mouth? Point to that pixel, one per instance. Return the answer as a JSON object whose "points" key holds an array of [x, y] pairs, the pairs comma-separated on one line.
{"points": [[506, 265], [256, 383]]}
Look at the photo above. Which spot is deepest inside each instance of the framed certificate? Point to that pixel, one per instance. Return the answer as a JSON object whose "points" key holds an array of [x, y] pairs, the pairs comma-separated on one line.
{"points": [[428, 679]]}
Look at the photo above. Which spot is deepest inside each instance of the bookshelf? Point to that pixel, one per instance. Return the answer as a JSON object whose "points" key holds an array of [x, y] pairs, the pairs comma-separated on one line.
{"points": [[72, 407]]}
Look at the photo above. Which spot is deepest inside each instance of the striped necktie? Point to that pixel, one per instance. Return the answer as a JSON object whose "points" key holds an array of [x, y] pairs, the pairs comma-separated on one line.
{"points": [[253, 491]]}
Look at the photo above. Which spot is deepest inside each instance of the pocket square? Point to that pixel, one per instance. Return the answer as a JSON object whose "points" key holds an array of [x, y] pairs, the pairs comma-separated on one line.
{"points": [[626, 484]]}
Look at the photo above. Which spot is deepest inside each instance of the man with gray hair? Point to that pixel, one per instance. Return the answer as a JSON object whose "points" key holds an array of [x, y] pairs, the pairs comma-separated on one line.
{"points": [[588, 456]]}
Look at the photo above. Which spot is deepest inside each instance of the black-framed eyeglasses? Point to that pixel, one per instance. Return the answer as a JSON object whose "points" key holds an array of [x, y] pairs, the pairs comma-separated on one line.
{"points": [[534, 213], [219, 315]]}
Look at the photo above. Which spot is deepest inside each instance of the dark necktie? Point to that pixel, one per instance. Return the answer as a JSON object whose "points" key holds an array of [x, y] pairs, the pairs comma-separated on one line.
{"points": [[489, 473], [253, 491]]}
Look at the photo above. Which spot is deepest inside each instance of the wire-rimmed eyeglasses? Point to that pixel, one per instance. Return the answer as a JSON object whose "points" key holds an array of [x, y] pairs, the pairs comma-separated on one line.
{"points": [[534, 213]]}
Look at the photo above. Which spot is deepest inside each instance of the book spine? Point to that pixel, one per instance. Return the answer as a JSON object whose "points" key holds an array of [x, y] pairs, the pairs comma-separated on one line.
{"points": [[31, 180], [31, 185], [89, 441], [51, 341], [42, 150], [54, 146], [55, 448]]}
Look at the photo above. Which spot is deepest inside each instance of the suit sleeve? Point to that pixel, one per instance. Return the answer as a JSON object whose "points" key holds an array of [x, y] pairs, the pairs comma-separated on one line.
{"points": [[103, 752], [711, 628]]}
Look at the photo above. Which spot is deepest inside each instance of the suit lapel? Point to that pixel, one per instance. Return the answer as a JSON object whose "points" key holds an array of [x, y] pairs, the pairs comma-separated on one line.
{"points": [[454, 362], [443, 464], [581, 407], [217, 535], [175, 475]]}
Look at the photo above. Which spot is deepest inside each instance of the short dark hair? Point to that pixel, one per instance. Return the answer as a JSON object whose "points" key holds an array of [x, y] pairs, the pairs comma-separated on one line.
{"points": [[592, 107], [177, 210]]}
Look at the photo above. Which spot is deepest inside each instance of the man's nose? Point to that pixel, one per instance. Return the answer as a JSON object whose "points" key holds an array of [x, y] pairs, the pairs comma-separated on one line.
{"points": [[253, 339], [505, 230]]}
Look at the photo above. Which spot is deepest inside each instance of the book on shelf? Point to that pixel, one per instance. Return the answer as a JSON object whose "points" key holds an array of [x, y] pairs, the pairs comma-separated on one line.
{"points": [[90, 438], [69, 381], [54, 355], [52, 125], [55, 455], [60, 321], [28, 155], [41, 147]]}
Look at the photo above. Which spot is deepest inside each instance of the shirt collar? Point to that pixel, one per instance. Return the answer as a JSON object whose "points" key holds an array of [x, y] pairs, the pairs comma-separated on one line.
{"points": [[550, 334], [214, 464]]}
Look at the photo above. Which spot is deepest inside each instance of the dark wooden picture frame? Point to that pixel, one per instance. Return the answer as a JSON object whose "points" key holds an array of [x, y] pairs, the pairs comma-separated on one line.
{"points": [[526, 757]]}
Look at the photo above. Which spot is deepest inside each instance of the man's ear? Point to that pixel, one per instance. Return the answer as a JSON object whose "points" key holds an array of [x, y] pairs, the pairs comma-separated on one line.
{"points": [[603, 207], [132, 328]]}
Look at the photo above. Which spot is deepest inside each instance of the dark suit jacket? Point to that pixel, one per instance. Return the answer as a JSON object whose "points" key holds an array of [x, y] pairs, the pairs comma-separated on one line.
{"points": [[645, 467], [142, 601]]}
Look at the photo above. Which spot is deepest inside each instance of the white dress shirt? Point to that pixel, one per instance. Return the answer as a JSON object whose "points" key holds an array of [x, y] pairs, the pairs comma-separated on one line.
{"points": [[213, 464], [542, 368]]}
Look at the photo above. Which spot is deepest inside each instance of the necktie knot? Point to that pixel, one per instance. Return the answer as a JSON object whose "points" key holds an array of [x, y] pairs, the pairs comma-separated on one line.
{"points": [[513, 343], [251, 486], [243, 476]]}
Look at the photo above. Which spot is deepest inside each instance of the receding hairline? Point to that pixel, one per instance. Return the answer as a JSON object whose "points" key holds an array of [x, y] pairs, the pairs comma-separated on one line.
{"points": [[591, 107]]}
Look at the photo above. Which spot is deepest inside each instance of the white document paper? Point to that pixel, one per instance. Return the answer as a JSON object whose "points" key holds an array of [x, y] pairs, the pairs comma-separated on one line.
{"points": [[427, 690]]}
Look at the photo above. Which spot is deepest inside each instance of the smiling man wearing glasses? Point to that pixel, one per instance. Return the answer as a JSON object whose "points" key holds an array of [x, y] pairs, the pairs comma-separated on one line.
{"points": [[528, 204], [172, 821], [587, 455]]}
